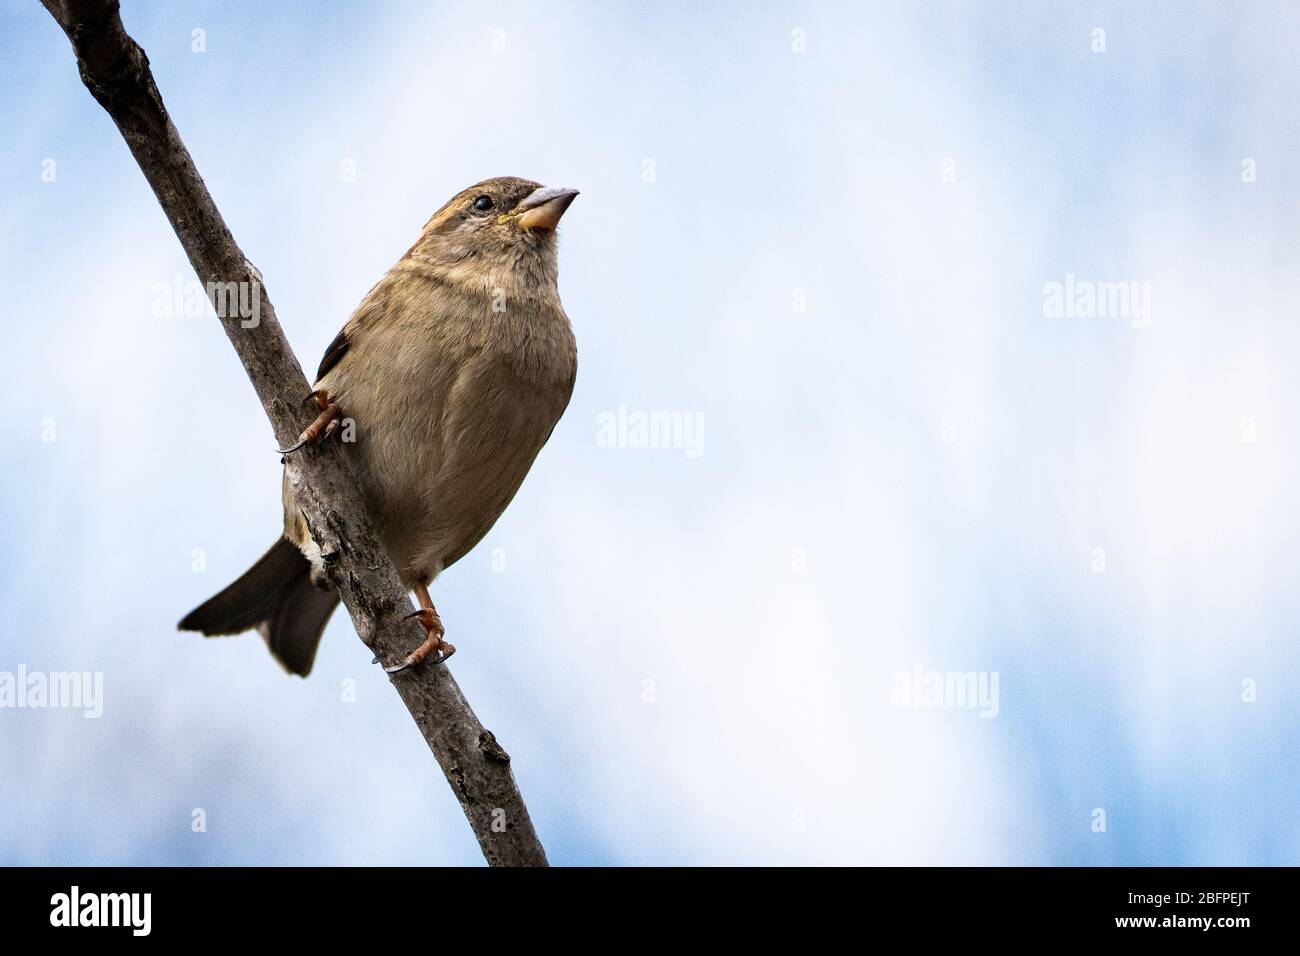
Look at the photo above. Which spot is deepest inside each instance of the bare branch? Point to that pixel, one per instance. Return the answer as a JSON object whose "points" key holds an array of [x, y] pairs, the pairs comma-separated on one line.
{"points": [[116, 71]]}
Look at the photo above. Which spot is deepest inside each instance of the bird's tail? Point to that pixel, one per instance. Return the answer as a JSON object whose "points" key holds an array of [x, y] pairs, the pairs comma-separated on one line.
{"points": [[276, 596]]}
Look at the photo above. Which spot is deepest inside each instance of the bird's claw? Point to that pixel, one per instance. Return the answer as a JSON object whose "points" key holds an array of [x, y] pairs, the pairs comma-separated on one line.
{"points": [[323, 427], [443, 652], [433, 643], [292, 448]]}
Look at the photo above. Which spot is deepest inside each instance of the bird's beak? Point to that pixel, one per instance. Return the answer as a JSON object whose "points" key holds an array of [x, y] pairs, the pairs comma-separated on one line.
{"points": [[542, 208]]}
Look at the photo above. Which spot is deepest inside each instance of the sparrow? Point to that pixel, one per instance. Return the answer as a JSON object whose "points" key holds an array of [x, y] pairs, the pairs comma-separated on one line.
{"points": [[443, 386]]}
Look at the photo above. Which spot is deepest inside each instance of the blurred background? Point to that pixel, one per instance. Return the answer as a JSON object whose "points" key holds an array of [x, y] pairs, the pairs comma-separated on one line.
{"points": [[827, 237]]}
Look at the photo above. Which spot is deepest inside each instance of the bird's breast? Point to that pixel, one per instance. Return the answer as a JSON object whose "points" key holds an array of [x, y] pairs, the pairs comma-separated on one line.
{"points": [[447, 430]]}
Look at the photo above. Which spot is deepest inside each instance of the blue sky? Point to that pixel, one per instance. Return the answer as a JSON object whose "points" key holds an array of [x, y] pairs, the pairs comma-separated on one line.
{"points": [[821, 231]]}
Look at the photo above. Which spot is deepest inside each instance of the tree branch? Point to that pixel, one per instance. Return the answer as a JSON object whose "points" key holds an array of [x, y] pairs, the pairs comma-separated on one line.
{"points": [[116, 71]]}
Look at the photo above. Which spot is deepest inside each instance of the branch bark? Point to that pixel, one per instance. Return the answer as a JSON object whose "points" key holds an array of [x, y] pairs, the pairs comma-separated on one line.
{"points": [[116, 71]]}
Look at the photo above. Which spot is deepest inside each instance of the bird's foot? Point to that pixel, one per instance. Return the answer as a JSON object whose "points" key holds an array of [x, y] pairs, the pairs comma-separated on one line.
{"points": [[325, 425], [433, 642]]}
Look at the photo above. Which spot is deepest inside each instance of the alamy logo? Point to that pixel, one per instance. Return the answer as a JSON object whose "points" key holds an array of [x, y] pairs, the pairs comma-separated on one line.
{"points": [[1085, 299], [630, 428], [194, 300], [973, 690], [103, 909], [75, 690]]}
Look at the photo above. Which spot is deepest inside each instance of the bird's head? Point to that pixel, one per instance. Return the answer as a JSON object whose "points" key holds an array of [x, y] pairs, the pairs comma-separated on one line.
{"points": [[499, 227]]}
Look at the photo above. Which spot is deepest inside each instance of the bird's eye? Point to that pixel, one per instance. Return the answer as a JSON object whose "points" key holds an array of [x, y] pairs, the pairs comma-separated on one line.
{"points": [[483, 203]]}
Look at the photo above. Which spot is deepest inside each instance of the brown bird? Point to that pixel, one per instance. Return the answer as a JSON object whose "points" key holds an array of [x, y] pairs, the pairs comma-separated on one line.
{"points": [[454, 371]]}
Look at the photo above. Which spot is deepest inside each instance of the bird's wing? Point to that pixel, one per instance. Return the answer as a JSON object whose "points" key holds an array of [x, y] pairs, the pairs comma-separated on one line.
{"points": [[334, 354], [370, 310]]}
